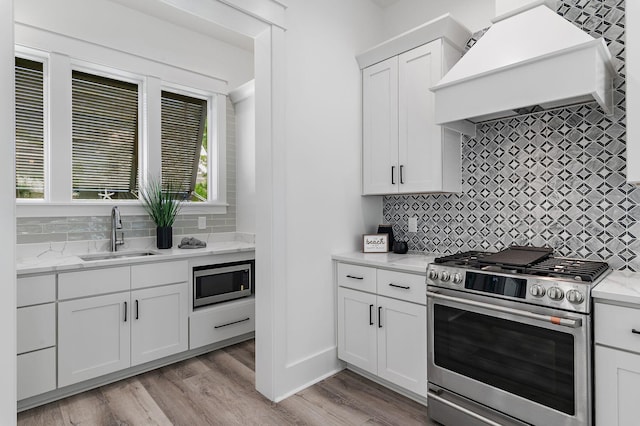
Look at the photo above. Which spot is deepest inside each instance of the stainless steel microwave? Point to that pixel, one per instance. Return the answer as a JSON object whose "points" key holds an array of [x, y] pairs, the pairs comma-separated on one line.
{"points": [[223, 282]]}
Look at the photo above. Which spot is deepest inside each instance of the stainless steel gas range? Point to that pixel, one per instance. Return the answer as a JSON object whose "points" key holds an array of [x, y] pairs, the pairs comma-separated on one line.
{"points": [[509, 338]]}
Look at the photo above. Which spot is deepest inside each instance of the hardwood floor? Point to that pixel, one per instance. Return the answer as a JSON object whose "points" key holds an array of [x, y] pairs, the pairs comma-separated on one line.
{"points": [[218, 389]]}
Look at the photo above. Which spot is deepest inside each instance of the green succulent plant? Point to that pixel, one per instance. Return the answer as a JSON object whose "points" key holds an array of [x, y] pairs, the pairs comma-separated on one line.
{"points": [[161, 202]]}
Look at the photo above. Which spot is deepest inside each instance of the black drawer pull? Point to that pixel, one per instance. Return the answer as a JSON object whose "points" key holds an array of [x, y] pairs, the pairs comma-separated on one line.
{"points": [[405, 287], [137, 310], [370, 314], [379, 316], [231, 323], [401, 178], [125, 311], [634, 331], [393, 172], [355, 278]]}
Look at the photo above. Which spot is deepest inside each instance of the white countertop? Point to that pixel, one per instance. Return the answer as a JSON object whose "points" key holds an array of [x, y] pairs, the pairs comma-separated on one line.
{"points": [[619, 286], [411, 262], [55, 259]]}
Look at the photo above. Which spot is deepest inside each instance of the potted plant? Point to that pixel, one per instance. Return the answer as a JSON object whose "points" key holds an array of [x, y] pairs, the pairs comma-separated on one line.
{"points": [[163, 204]]}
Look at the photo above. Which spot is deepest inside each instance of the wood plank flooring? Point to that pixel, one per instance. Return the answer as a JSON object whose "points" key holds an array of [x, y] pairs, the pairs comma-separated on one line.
{"points": [[218, 388]]}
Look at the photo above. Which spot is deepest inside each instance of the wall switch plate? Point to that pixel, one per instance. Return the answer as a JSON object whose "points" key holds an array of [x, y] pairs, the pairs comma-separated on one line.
{"points": [[202, 222], [413, 224]]}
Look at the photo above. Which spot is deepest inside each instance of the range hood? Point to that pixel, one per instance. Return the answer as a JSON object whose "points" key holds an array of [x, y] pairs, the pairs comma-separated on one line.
{"points": [[529, 59]]}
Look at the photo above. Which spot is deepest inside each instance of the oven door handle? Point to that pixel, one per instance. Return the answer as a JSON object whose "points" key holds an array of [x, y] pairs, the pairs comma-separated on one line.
{"points": [[566, 322]]}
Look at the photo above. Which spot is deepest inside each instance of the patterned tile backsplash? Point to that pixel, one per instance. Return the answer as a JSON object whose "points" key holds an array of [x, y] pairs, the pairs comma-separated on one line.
{"points": [[80, 228], [554, 178]]}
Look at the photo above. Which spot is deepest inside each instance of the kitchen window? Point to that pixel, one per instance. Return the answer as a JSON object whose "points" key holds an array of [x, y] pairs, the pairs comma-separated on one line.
{"points": [[112, 127], [105, 137], [184, 145], [30, 129]]}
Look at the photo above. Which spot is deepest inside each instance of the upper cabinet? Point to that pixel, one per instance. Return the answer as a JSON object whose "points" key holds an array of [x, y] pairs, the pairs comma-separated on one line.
{"points": [[404, 151]]}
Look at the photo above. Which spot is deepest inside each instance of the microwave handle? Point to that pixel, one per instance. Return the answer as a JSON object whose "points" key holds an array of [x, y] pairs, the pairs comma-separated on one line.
{"points": [[565, 322]]}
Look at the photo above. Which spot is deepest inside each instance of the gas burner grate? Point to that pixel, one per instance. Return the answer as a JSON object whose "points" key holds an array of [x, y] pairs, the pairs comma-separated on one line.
{"points": [[580, 270], [467, 258]]}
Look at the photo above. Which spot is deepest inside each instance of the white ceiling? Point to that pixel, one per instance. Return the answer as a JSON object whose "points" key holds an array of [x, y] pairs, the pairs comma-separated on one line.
{"points": [[385, 3], [175, 16]]}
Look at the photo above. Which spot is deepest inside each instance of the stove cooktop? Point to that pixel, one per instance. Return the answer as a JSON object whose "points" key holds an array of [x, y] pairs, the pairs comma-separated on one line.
{"points": [[536, 261]]}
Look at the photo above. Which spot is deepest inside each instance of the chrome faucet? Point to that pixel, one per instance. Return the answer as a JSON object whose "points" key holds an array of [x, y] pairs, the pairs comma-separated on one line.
{"points": [[116, 223]]}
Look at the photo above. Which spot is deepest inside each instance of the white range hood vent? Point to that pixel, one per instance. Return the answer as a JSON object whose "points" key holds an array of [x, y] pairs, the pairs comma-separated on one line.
{"points": [[528, 60]]}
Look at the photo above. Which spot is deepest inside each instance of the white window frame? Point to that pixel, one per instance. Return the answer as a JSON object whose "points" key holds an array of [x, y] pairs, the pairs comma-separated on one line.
{"points": [[58, 199]]}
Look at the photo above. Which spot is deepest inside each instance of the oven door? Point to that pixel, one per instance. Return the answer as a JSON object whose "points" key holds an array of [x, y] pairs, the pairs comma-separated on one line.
{"points": [[531, 363]]}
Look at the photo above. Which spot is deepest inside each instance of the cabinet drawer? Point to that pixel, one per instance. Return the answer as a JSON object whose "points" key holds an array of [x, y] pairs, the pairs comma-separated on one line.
{"points": [[36, 289], [153, 274], [403, 286], [220, 323], [613, 325], [357, 277], [36, 373], [93, 282], [36, 327]]}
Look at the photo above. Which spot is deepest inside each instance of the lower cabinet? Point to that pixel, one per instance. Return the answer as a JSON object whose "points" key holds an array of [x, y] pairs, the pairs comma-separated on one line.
{"points": [[386, 336], [617, 386], [103, 334], [617, 364]]}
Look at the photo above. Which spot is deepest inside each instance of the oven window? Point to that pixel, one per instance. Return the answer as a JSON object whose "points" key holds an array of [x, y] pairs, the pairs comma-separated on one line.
{"points": [[532, 362]]}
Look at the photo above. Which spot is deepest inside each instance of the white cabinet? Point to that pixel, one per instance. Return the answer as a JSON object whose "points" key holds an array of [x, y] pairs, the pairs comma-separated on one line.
{"points": [[159, 322], [617, 359], [110, 332], [94, 337], [36, 335], [404, 151], [385, 333], [219, 322]]}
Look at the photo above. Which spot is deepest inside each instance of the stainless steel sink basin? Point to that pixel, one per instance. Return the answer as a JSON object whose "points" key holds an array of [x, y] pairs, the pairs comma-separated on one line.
{"points": [[116, 255]]}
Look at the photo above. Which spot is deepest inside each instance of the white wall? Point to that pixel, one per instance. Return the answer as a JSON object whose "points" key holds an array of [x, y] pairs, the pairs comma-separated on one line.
{"points": [[407, 14], [324, 211], [244, 103], [116, 26], [7, 218]]}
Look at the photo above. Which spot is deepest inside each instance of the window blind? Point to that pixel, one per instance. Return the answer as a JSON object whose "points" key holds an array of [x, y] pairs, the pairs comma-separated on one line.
{"points": [[183, 122], [105, 135], [29, 103]]}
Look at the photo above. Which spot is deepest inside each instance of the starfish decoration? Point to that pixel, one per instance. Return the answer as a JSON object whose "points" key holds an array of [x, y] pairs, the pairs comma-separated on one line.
{"points": [[106, 195]]}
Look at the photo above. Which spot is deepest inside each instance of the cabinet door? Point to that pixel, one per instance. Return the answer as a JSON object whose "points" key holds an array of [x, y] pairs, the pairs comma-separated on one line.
{"points": [[380, 128], [402, 344], [420, 139], [93, 337], [357, 328], [617, 387], [158, 322]]}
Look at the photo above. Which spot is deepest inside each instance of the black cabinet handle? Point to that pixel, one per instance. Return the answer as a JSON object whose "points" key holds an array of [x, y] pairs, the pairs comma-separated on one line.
{"points": [[634, 331], [231, 323], [399, 286], [137, 310], [379, 316], [393, 172], [355, 278], [370, 314], [401, 178], [125, 311]]}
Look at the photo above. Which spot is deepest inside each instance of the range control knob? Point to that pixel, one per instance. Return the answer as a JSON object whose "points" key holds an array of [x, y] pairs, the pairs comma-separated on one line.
{"points": [[537, 290], [575, 297], [445, 276], [555, 293], [433, 274], [457, 278]]}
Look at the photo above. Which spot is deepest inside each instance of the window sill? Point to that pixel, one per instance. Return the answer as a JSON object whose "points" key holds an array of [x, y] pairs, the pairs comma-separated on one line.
{"points": [[39, 208]]}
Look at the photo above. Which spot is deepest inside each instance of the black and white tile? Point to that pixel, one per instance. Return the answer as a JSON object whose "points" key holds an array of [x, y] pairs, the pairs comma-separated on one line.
{"points": [[552, 178]]}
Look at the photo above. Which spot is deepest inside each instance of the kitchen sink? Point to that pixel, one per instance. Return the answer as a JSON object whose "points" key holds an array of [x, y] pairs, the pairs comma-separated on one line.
{"points": [[116, 255]]}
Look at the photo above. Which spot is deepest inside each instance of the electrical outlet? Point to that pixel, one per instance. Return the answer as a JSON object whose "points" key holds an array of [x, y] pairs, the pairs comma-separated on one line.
{"points": [[413, 224], [202, 222]]}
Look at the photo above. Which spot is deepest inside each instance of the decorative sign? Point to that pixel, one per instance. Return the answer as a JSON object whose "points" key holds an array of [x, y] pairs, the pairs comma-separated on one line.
{"points": [[375, 243]]}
